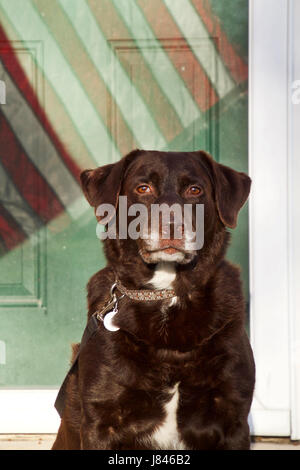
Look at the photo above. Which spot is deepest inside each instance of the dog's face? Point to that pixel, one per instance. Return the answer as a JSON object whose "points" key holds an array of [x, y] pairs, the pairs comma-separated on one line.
{"points": [[170, 180], [167, 180]]}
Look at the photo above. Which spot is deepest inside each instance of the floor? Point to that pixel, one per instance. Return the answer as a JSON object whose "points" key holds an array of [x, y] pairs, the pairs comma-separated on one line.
{"points": [[44, 442]]}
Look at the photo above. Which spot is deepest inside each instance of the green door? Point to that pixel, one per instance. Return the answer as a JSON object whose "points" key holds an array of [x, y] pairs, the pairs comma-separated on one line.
{"points": [[86, 81]]}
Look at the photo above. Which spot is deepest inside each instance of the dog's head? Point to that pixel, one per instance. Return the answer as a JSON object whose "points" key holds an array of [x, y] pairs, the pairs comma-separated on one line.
{"points": [[162, 180]]}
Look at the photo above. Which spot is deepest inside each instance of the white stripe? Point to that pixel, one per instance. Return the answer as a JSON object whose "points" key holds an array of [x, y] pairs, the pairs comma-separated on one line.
{"points": [[192, 27], [89, 125], [134, 110], [15, 205], [160, 65], [38, 146], [167, 436]]}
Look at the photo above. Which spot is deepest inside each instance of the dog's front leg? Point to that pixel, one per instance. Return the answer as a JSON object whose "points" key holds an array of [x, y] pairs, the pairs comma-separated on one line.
{"points": [[93, 436], [96, 435], [101, 426]]}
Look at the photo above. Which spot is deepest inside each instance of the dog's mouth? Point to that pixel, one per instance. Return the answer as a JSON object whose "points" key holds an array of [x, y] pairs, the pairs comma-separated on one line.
{"points": [[166, 252], [170, 250]]}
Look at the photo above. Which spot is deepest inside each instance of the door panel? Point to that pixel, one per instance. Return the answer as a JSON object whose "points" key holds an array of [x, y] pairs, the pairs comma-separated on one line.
{"points": [[172, 107], [86, 82]]}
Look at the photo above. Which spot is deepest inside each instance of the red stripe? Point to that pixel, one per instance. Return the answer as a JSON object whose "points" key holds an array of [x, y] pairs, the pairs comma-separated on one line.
{"points": [[29, 182], [234, 63], [190, 70], [12, 65], [11, 234]]}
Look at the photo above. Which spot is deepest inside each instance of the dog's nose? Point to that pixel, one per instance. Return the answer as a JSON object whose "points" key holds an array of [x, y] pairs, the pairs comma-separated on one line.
{"points": [[172, 230]]}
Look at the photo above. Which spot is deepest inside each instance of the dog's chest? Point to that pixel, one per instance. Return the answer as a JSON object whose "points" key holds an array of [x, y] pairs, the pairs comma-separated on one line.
{"points": [[166, 435]]}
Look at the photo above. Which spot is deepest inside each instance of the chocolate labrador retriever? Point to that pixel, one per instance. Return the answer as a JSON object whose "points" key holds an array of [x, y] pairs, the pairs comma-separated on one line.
{"points": [[169, 364]]}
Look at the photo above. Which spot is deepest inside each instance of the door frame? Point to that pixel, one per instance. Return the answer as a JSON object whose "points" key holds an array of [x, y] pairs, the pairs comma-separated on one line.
{"points": [[274, 228], [294, 214], [274, 221]]}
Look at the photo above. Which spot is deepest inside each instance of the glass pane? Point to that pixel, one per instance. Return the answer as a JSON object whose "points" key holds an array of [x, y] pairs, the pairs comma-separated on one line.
{"points": [[85, 82]]}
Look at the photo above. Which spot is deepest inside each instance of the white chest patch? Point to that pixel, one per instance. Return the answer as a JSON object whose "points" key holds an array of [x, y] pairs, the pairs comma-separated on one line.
{"points": [[166, 436], [164, 276]]}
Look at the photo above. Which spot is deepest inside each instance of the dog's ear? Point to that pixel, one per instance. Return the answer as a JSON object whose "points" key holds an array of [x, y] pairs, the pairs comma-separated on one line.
{"points": [[231, 189], [103, 185]]}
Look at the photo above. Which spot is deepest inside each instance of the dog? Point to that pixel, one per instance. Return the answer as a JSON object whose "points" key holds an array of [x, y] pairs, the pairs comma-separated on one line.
{"points": [[175, 372]]}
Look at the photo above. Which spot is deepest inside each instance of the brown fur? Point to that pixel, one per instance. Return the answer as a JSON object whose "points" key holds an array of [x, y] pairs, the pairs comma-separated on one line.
{"points": [[116, 397]]}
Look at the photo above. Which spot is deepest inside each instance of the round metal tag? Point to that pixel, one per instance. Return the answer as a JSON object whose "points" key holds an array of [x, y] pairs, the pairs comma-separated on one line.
{"points": [[108, 321]]}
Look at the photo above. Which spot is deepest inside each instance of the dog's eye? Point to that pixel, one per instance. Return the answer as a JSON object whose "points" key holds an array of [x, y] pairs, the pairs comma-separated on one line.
{"points": [[194, 191], [143, 188]]}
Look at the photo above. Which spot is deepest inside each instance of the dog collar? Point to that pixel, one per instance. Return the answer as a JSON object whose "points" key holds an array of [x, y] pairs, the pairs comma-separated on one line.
{"points": [[110, 309], [146, 294]]}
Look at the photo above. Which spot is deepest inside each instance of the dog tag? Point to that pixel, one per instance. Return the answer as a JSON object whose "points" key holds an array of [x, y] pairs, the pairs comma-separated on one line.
{"points": [[108, 320]]}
